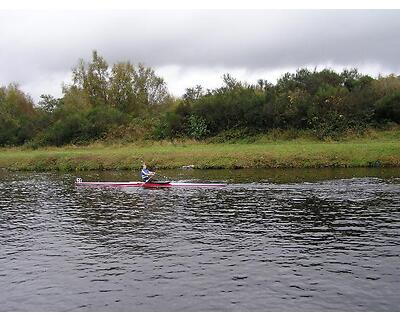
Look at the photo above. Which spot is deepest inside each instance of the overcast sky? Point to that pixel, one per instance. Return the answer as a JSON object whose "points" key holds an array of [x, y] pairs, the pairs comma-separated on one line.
{"points": [[39, 48]]}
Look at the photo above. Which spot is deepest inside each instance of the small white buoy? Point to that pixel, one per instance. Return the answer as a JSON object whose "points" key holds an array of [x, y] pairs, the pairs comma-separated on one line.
{"points": [[188, 167]]}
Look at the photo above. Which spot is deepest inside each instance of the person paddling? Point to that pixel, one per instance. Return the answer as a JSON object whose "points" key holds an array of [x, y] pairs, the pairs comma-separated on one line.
{"points": [[146, 174]]}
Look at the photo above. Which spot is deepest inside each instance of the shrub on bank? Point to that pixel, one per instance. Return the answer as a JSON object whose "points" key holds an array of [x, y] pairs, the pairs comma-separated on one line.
{"points": [[130, 103]]}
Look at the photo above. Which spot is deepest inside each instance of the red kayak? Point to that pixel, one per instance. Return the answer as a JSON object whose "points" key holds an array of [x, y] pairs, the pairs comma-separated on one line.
{"points": [[154, 184]]}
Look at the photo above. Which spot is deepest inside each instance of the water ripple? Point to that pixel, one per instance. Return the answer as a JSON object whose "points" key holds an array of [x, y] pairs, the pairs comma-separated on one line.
{"points": [[295, 246]]}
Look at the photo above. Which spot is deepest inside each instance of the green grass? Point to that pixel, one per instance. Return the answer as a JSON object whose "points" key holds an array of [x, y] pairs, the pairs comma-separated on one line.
{"points": [[378, 149]]}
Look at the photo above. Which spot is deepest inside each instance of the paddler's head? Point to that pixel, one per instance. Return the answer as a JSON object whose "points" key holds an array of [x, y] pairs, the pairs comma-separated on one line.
{"points": [[144, 166]]}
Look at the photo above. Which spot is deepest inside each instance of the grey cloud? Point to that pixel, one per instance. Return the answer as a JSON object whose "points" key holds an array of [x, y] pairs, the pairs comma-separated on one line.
{"points": [[41, 43], [270, 39]]}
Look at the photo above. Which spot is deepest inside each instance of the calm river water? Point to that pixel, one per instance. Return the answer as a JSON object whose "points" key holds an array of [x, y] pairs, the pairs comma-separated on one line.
{"points": [[272, 240]]}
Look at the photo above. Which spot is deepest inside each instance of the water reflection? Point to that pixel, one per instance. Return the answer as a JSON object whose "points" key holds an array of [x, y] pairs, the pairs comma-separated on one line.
{"points": [[272, 244]]}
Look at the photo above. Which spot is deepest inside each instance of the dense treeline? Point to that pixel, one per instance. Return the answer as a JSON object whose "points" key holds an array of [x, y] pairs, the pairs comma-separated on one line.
{"points": [[19, 120], [127, 102], [324, 102]]}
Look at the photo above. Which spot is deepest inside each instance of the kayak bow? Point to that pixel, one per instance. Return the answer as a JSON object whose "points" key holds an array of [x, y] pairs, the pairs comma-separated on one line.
{"points": [[154, 184]]}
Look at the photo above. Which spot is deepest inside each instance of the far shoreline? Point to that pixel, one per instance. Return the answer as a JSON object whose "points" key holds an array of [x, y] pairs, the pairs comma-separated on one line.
{"points": [[382, 151]]}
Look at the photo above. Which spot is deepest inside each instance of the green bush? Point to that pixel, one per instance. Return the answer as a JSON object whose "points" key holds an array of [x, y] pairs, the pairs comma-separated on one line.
{"points": [[388, 109], [129, 103], [197, 128], [332, 126]]}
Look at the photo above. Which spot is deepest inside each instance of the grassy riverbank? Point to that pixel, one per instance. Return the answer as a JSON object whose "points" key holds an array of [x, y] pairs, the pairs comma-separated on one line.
{"points": [[382, 149]]}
